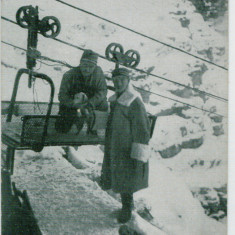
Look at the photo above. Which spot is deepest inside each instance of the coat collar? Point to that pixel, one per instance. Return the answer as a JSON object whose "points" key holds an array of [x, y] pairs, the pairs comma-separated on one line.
{"points": [[127, 97]]}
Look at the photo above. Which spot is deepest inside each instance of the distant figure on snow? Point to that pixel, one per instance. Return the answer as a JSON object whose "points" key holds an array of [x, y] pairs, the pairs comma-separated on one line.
{"points": [[125, 166], [82, 90]]}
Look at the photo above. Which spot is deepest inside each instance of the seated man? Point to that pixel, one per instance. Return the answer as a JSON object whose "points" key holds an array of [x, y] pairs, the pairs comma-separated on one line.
{"points": [[82, 90]]}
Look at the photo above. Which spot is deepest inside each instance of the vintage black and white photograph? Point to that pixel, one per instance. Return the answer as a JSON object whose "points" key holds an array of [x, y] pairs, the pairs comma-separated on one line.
{"points": [[114, 117]]}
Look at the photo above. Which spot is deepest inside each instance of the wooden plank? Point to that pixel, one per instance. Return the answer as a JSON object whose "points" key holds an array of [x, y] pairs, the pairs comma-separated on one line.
{"points": [[11, 136]]}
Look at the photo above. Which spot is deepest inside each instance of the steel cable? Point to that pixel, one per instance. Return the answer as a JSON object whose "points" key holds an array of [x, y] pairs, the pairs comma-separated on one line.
{"points": [[141, 34], [154, 93], [140, 70]]}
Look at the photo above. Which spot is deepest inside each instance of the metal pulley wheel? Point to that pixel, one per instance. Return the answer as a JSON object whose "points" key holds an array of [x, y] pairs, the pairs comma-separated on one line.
{"points": [[26, 15], [132, 58], [50, 27], [111, 51]]}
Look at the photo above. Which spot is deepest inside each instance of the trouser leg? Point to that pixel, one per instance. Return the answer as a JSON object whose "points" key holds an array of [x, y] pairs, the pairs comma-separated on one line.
{"points": [[127, 206], [63, 124], [66, 119], [90, 120], [127, 200]]}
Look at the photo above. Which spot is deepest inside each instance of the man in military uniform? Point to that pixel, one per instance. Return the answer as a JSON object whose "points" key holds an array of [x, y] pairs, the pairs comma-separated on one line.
{"points": [[125, 166], [82, 90]]}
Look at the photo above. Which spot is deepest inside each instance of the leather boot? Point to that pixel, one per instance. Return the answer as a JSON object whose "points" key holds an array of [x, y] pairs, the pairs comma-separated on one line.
{"points": [[127, 206]]}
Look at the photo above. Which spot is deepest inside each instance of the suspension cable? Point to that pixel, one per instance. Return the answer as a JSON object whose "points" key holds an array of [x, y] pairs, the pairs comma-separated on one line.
{"points": [[141, 70], [141, 34], [151, 74], [154, 93], [189, 105]]}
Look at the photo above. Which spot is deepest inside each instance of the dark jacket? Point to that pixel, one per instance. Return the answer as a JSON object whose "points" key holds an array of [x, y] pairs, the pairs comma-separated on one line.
{"points": [[93, 86], [127, 137]]}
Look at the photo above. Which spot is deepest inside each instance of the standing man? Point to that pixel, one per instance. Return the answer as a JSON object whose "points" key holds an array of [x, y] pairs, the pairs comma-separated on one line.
{"points": [[125, 164], [82, 90]]}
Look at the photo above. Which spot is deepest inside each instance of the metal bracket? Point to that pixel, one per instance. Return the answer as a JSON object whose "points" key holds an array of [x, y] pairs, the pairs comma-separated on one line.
{"points": [[49, 26], [38, 147], [115, 53], [10, 157]]}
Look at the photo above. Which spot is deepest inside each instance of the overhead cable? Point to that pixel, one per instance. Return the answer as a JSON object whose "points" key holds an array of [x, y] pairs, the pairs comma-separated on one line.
{"points": [[141, 34], [154, 93], [140, 70], [151, 74]]}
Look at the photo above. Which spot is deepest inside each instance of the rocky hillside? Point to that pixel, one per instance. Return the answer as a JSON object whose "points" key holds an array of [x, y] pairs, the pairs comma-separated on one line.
{"points": [[211, 9]]}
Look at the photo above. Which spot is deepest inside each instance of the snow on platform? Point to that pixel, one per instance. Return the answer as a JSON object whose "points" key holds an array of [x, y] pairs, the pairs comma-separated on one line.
{"points": [[64, 202]]}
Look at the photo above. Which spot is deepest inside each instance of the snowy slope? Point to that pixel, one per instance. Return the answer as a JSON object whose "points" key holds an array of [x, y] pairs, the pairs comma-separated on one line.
{"points": [[73, 203]]}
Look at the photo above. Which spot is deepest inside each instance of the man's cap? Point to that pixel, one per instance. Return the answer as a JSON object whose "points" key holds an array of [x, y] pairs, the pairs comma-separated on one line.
{"points": [[89, 56], [121, 72]]}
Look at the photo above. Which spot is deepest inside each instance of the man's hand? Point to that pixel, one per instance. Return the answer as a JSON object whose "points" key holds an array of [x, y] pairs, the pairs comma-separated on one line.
{"points": [[79, 105], [86, 109], [79, 112], [80, 100]]}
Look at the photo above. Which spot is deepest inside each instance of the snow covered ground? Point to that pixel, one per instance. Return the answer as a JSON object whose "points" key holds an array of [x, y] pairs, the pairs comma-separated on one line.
{"points": [[188, 179], [69, 200]]}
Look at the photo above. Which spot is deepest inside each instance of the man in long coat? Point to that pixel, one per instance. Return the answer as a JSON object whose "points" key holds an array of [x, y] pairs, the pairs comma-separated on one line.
{"points": [[125, 165], [82, 90]]}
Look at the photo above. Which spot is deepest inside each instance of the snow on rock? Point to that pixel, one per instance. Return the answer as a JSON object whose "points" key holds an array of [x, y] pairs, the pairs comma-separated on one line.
{"points": [[209, 199], [204, 169], [212, 201], [174, 130], [142, 227], [218, 130], [172, 206], [84, 156], [171, 151], [205, 166]]}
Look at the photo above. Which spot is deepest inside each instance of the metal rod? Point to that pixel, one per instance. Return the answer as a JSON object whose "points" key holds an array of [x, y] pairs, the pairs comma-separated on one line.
{"points": [[14, 93], [10, 157]]}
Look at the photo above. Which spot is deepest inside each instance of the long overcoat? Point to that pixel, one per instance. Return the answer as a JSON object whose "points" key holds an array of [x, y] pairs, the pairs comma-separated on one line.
{"points": [[127, 137]]}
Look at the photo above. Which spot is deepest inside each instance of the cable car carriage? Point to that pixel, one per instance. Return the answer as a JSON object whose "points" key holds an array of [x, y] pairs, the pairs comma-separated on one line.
{"points": [[33, 131]]}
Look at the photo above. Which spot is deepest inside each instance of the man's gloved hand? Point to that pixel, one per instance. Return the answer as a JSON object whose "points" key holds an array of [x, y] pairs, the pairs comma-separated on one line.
{"points": [[80, 100], [86, 109], [79, 113]]}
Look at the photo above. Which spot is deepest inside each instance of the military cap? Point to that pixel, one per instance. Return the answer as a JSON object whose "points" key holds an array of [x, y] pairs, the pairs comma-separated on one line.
{"points": [[121, 72]]}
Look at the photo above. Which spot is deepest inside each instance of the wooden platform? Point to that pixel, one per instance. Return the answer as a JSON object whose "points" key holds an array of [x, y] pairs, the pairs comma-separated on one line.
{"points": [[12, 131], [11, 136]]}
